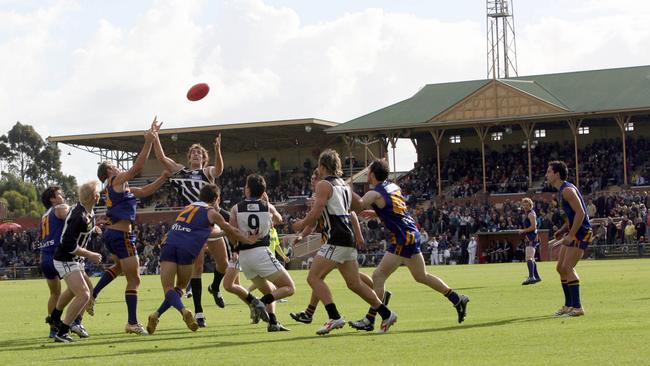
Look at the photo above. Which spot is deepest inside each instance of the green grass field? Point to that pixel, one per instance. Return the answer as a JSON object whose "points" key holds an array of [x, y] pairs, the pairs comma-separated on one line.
{"points": [[507, 324]]}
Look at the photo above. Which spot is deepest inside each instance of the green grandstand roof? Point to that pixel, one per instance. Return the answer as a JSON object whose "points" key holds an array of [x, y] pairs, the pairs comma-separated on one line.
{"points": [[594, 91]]}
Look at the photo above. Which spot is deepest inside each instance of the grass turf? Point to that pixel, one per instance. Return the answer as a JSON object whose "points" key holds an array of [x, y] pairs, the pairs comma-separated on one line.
{"points": [[507, 324]]}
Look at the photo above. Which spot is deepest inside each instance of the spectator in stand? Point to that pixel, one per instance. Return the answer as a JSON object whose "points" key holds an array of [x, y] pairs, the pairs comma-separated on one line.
{"points": [[630, 233], [433, 247], [471, 249], [640, 228], [591, 208], [443, 250]]}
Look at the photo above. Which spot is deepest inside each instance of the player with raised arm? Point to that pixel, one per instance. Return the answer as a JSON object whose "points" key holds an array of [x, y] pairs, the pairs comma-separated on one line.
{"points": [[188, 181], [256, 215], [532, 241], [119, 237], [574, 236], [184, 241], [386, 202], [68, 260], [332, 203]]}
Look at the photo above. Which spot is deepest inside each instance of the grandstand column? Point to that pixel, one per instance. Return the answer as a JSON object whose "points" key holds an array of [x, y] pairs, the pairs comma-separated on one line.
{"points": [[393, 142], [574, 125], [482, 134], [622, 123], [365, 141], [437, 137], [349, 142], [528, 133]]}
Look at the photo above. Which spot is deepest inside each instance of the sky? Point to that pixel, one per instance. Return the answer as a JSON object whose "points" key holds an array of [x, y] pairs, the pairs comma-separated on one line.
{"points": [[70, 67]]}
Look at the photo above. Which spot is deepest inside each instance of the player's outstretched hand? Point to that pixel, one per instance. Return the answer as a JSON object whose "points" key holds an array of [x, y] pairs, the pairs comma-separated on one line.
{"points": [[101, 221], [252, 238], [217, 141], [297, 239], [155, 125], [368, 214], [149, 136], [95, 257]]}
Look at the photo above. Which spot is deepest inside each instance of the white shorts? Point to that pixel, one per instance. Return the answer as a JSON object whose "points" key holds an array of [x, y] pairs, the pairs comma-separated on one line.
{"points": [[234, 264], [258, 262], [337, 254], [66, 268]]}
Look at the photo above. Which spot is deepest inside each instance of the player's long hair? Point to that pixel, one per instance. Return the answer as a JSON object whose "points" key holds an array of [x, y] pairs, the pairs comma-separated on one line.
{"points": [[204, 153], [331, 161]]}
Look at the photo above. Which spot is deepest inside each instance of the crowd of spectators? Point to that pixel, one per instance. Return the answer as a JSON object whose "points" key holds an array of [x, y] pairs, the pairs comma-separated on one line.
{"points": [[452, 227], [507, 169], [280, 185]]}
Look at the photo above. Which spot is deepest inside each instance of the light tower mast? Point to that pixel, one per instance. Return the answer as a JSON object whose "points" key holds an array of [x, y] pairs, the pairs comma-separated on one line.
{"points": [[501, 45]]}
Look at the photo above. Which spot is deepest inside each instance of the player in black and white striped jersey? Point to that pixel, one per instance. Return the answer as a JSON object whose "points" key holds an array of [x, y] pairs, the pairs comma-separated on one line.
{"points": [[256, 215], [69, 256], [188, 181], [332, 203]]}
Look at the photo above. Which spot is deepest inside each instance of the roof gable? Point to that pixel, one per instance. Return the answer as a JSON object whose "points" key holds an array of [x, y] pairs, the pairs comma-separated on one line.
{"points": [[498, 99], [564, 95]]}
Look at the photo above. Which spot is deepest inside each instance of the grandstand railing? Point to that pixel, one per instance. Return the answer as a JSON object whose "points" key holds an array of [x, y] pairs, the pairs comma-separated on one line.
{"points": [[309, 245], [306, 246]]}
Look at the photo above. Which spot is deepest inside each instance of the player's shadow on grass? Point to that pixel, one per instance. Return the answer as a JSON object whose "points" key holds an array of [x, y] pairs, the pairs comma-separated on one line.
{"points": [[477, 325], [183, 346], [111, 339]]}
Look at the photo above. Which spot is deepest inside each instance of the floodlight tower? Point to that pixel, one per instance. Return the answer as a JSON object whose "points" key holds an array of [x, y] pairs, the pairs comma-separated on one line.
{"points": [[501, 45]]}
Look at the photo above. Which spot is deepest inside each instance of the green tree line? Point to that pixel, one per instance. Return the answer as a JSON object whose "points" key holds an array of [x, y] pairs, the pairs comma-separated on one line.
{"points": [[28, 165]]}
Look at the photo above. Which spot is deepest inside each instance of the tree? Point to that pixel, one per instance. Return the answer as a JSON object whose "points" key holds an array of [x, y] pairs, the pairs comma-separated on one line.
{"points": [[19, 205], [25, 144], [9, 182], [22, 198], [68, 184], [31, 159], [47, 166], [5, 154]]}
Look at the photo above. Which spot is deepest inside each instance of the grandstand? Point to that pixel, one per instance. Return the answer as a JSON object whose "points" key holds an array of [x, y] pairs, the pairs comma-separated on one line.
{"points": [[481, 146], [498, 133], [246, 147]]}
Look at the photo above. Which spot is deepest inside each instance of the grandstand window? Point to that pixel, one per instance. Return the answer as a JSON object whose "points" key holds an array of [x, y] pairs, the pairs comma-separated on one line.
{"points": [[540, 133], [497, 136], [629, 126], [584, 130], [454, 139]]}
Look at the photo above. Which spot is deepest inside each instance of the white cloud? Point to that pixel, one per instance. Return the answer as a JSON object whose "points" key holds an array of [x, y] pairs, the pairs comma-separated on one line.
{"points": [[262, 63]]}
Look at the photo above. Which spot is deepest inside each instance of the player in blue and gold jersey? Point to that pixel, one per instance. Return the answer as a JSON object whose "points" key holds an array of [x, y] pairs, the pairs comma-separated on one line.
{"points": [[387, 203], [575, 236], [51, 228], [118, 236], [532, 240], [181, 246]]}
